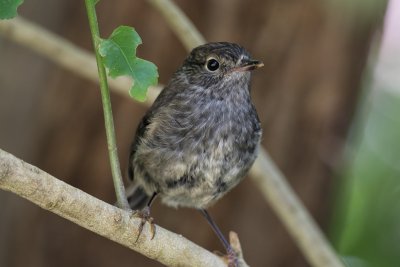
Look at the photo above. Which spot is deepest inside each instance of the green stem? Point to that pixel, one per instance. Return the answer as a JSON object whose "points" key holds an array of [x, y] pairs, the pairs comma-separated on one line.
{"points": [[108, 118]]}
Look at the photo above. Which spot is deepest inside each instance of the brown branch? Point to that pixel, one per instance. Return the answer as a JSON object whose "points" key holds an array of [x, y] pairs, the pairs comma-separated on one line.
{"points": [[292, 212], [97, 216]]}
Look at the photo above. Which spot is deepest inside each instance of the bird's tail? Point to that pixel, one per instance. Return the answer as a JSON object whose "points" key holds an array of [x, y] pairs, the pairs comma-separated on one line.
{"points": [[137, 198]]}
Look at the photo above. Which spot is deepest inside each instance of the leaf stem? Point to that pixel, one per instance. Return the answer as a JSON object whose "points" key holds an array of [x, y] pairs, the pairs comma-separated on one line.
{"points": [[108, 117]]}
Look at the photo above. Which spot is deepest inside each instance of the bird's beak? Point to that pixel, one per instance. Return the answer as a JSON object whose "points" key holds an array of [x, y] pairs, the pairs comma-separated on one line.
{"points": [[249, 64]]}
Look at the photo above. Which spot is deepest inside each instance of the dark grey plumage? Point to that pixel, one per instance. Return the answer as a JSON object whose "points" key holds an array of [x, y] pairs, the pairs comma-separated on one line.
{"points": [[201, 135]]}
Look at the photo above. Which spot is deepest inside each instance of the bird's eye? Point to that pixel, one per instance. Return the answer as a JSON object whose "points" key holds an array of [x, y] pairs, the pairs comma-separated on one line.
{"points": [[212, 64]]}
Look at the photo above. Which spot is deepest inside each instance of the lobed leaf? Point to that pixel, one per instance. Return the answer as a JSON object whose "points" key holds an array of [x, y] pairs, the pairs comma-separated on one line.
{"points": [[119, 56]]}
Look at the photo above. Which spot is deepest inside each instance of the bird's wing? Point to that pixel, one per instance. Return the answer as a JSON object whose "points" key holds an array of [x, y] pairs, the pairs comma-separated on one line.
{"points": [[163, 99], [140, 131]]}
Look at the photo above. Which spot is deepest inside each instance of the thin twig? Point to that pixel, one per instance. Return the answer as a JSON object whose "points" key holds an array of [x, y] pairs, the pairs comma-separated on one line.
{"points": [[106, 101], [292, 212], [99, 217]]}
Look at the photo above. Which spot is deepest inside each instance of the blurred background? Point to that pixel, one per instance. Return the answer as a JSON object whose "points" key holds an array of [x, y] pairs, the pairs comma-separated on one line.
{"points": [[328, 99]]}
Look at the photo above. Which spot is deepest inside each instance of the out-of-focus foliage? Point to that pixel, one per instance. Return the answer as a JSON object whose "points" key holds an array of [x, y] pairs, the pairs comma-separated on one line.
{"points": [[366, 228], [370, 212]]}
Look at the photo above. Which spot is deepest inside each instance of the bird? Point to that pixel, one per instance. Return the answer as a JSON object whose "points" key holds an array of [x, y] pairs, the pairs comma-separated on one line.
{"points": [[200, 137]]}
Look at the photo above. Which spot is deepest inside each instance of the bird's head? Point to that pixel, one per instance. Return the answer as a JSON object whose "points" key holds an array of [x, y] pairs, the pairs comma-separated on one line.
{"points": [[219, 65]]}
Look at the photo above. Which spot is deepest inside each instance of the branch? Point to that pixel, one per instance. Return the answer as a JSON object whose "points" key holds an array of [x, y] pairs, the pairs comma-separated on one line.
{"points": [[264, 172], [292, 212], [99, 217]]}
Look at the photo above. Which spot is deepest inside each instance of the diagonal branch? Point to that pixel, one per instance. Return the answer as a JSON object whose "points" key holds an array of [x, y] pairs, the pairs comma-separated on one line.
{"points": [[293, 214], [97, 216]]}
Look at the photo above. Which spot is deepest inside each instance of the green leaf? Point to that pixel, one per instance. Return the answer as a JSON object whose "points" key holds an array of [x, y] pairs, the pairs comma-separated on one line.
{"points": [[145, 76], [119, 56], [8, 8]]}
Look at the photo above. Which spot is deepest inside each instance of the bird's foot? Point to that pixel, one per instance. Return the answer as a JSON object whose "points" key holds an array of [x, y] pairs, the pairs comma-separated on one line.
{"points": [[144, 215], [234, 254], [230, 258]]}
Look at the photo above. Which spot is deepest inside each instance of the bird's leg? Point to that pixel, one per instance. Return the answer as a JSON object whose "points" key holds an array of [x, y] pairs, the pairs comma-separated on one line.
{"points": [[144, 215], [231, 254]]}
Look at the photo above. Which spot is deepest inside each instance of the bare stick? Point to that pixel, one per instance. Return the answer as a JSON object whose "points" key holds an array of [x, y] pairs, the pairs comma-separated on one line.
{"points": [[292, 212], [99, 217]]}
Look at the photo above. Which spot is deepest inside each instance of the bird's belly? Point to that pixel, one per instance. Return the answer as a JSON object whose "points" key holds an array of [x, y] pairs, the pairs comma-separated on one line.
{"points": [[204, 194], [209, 175]]}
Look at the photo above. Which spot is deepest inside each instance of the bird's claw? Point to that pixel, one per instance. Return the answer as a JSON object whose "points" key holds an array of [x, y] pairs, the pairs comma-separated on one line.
{"points": [[234, 254], [231, 258], [144, 215]]}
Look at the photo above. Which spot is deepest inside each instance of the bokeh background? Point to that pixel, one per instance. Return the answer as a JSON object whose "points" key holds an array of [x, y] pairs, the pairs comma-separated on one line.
{"points": [[328, 104]]}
